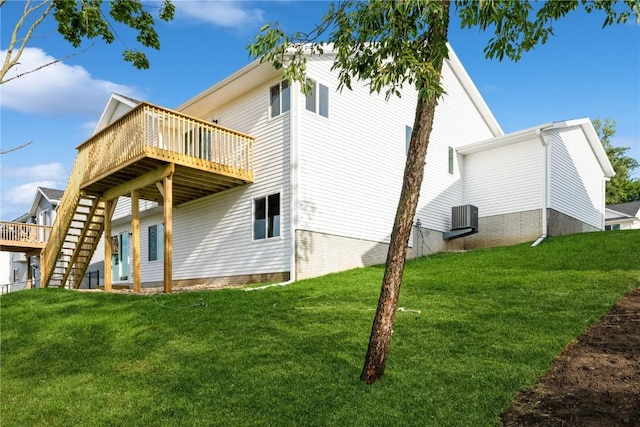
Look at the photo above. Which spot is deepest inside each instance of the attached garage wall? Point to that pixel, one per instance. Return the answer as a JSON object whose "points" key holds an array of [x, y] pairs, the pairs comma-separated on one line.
{"points": [[505, 179], [577, 180]]}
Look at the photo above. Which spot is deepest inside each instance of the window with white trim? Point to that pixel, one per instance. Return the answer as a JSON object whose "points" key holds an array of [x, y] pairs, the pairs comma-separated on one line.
{"points": [[279, 98], [612, 227], [266, 217], [317, 100], [408, 130], [156, 242]]}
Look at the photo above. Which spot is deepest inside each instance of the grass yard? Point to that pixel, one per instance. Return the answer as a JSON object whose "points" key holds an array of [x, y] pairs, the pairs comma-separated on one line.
{"points": [[476, 327]]}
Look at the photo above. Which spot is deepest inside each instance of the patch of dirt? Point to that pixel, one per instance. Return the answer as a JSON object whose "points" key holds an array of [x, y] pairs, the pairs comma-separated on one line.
{"points": [[594, 382]]}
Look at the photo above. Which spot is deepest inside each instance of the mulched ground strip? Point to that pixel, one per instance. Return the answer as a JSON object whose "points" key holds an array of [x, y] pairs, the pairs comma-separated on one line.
{"points": [[594, 382]]}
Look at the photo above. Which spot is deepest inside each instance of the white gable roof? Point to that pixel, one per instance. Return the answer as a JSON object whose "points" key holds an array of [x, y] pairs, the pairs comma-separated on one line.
{"points": [[257, 73], [52, 196], [116, 107]]}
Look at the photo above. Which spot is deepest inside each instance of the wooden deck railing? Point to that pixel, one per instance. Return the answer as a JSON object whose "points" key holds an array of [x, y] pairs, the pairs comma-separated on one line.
{"points": [[19, 232], [149, 130]]}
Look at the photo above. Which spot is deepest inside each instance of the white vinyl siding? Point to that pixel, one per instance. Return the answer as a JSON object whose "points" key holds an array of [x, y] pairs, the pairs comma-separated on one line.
{"points": [[213, 235], [350, 172], [123, 207], [506, 179], [457, 122], [577, 180], [120, 111]]}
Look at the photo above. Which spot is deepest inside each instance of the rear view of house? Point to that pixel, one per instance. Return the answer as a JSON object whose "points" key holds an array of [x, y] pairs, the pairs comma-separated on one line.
{"points": [[252, 181]]}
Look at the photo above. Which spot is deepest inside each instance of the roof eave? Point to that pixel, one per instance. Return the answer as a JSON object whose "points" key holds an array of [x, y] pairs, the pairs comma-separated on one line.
{"points": [[473, 92]]}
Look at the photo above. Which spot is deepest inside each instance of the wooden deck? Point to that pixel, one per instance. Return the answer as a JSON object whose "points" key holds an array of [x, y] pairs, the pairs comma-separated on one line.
{"points": [[21, 237], [150, 153], [207, 158]]}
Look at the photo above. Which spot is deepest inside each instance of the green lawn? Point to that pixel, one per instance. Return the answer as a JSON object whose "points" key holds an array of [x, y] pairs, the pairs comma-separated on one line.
{"points": [[477, 327]]}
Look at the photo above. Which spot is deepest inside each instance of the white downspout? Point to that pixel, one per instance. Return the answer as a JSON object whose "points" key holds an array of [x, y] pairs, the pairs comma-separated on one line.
{"points": [[545, 191], [293, 179]]}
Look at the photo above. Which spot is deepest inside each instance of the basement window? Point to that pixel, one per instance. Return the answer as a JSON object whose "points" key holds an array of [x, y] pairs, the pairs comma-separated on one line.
{"points": [[266, 217]]}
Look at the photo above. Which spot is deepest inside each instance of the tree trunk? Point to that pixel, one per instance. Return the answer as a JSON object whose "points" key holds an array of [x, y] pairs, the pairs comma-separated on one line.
{"points": [[381, 330]]}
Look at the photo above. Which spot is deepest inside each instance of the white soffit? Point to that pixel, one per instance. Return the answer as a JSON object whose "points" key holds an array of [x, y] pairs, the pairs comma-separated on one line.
{"points": [[229, 88]]}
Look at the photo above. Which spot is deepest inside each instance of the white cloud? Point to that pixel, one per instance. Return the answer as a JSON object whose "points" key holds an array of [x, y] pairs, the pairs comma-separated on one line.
{"points": [[56, 89], [24, 194], [50, 172], [226, 14], [89, 126]]}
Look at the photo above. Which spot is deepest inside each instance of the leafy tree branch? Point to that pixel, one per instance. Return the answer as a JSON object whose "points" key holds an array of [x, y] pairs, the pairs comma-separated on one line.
{"points": [[86, 19]]}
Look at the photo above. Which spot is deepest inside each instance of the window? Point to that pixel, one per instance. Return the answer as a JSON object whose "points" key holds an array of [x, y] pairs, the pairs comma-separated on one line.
{"points": [[612, 227], [279, 100], [156, 242], [451, 155], [15, 276], [408, 130], [266, 217], [317, 100]]}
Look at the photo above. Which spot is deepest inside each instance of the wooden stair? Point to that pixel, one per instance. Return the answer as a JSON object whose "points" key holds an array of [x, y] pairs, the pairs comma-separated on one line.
{"points": [[74, 235], [77, 245]]}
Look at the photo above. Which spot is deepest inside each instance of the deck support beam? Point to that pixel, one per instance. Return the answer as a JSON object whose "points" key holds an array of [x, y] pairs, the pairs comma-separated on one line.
{"points": [[29, 273], [108, 250], [142, 181], [168, 232], [135, 230]]}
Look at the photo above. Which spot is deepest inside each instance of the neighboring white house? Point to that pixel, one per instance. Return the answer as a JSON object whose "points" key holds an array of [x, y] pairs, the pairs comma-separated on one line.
{"points": [[328, 170], [5, 272], [42, 212], [622, 216]]}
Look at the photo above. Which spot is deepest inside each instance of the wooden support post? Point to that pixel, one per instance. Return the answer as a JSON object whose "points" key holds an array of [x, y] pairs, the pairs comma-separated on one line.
{"points": [[168, 233], [29, 273], [108, 210], [135, 229]]}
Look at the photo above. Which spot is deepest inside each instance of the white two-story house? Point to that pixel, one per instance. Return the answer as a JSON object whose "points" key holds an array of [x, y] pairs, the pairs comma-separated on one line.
{"points": [[325, 175]]}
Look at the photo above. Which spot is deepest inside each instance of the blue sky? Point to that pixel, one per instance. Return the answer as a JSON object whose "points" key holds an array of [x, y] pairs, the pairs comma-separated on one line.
{"points": [[583, 71]]}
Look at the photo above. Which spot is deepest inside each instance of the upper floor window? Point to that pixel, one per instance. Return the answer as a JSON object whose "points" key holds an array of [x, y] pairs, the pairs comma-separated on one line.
{"points": [[317, 99], [266, 217], [408, 130], [280, 99], [156, 242]]}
